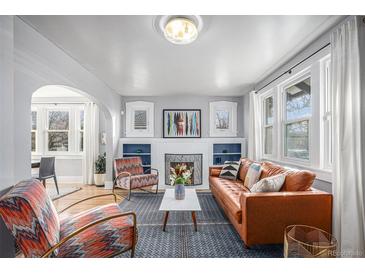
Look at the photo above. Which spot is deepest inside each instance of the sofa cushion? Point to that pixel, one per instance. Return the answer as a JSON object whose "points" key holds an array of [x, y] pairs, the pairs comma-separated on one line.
{"points": [[253, 175], [229, 192], [295, 180], [269, 184], [215, 172], [230, 170], [245, 165]]}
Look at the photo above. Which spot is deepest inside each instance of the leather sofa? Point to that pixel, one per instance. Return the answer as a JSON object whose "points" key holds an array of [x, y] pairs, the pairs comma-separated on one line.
{"points": [[260, 218]]}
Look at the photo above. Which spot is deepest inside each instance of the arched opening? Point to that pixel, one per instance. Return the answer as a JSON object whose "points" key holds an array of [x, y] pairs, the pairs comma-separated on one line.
{"points": [[74, 128]]}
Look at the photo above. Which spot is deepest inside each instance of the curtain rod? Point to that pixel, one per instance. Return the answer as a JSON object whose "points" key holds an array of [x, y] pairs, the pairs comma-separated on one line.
{"points": [[293, 67]]}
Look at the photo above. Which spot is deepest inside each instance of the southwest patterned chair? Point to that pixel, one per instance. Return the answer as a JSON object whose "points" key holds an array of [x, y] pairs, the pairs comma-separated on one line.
{"points": [[30, 216], [129, 175]]}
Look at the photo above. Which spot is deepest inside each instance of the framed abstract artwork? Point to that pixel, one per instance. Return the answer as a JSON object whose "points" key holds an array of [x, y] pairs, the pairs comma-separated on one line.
{"points": [[181, 123], [139, 119], [223, 119]]}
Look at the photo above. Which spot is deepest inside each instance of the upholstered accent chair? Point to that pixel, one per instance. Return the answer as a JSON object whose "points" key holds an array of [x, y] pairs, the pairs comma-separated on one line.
{"points": [[40, 231], [129, 175]]}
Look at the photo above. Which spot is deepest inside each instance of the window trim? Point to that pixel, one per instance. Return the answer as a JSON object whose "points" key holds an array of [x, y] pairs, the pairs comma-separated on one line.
{"points": [[34, 130], [79, 130], [69, 142], [326, 121], [265, 96], [317, 161], [42, 130], [295, 79]]}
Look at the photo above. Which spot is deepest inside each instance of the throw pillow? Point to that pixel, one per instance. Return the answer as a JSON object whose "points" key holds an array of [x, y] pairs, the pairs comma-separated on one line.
{"points": [[269, 184], [253, 175], [230, 170]]}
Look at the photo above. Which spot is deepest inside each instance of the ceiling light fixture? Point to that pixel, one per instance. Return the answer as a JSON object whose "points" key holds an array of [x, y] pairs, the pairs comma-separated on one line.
{"points": [[180, 30]]}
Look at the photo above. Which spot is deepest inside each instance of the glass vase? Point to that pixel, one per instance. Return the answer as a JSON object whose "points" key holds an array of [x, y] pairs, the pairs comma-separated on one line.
{"points": [[179, 191]]}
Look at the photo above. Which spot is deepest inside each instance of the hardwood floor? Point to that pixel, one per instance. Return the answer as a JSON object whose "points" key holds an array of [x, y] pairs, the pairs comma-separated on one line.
{"points": [[85, 192]]}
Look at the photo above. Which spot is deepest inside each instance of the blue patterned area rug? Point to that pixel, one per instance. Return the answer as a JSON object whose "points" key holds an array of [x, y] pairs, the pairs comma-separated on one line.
{"points": [[216, 237]]}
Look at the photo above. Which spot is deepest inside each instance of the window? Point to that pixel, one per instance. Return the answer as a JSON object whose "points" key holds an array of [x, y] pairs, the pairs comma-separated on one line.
{"points": [[298, 111], [34, 131], [58, 130], [81, 131], [268, 125], [296, 116]]}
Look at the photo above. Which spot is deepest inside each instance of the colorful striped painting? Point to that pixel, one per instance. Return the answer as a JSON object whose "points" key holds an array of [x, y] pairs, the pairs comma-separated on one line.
{"points": [[181, 123]]}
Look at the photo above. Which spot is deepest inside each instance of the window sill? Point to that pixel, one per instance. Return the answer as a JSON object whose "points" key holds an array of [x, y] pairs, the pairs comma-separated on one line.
{"points": [[36, 156], [321, 174]]}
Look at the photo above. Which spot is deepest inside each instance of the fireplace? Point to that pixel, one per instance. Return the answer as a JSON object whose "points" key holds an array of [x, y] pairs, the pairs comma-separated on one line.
{"points": [[192, 161]]}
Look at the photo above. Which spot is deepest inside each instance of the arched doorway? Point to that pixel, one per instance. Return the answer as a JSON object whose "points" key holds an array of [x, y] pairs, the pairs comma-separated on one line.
{"points": [[75, 128]]}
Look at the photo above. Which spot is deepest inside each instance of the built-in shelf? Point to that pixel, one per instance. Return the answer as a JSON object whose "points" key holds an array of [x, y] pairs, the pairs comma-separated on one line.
{"points": [[226, 152], [139, 150]]}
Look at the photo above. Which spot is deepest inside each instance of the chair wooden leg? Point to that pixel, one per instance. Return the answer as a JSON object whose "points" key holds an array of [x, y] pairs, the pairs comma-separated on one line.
{"points": [[55, 181]]}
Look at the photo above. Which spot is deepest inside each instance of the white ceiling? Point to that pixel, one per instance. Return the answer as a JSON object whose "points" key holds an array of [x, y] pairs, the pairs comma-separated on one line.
{"points": [[231, 53]]}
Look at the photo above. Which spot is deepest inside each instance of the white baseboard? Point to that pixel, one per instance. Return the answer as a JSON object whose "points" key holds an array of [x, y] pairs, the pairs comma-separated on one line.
{"points": [[108, 185], [69, 179]]}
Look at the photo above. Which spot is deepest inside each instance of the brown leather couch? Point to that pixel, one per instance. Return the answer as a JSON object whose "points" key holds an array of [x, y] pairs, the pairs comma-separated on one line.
{"points": [[260, 218]]}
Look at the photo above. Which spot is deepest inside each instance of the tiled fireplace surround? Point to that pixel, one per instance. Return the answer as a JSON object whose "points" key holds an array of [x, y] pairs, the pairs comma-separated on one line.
{"points": [[192, 160]]}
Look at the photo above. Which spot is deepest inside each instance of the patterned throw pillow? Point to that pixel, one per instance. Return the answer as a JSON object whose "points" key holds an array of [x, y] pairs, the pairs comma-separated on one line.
{"points": [[253, 175], [269, 184], [230, 170]]}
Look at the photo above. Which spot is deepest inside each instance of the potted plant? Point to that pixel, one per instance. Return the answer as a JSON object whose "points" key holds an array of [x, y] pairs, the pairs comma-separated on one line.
{"points": [[179, 176], [99, 175]]}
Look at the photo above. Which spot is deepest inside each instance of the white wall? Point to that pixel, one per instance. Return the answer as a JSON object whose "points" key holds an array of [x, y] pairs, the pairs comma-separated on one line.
{"points": [[29, 61], [186, 102], [38, 62], [6, 102], [361, 25], [6, 123]]}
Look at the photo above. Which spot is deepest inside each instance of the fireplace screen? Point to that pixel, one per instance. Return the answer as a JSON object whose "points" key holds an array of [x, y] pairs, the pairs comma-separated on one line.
{"points": [[192, 161]]}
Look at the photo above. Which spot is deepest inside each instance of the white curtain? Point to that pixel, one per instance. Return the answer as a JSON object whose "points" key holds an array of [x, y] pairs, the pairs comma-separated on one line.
{"points": [[348, 176], [254, 131], [91, 142]]}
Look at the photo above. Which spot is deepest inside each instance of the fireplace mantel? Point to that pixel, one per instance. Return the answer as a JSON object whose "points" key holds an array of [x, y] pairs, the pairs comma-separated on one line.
{"points": [[161, 146]]}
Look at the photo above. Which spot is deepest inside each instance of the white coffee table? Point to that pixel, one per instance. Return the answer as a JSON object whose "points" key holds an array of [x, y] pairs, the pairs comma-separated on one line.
{"points": [[190, 203]]}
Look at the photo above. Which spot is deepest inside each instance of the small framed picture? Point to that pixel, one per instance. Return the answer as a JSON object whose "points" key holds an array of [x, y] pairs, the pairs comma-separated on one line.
{"points": [[181, 123], [223, 119]]}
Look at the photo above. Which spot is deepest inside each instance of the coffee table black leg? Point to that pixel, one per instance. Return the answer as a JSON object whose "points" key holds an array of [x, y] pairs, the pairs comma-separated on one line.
{"points": [[165, 220], [194, 221]]}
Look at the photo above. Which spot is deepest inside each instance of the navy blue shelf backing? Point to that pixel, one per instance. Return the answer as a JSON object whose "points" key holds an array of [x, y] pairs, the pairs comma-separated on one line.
{"points": [[226, 152]]}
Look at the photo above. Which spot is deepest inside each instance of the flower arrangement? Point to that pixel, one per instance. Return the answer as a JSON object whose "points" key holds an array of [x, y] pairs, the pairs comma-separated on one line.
{"points": [[181, 174]]}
